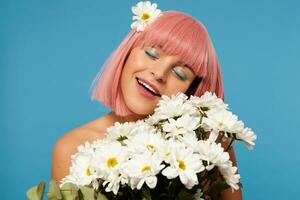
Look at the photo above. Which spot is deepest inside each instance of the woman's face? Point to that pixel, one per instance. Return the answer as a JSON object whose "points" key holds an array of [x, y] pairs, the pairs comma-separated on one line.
{"points": [[149, 73]]}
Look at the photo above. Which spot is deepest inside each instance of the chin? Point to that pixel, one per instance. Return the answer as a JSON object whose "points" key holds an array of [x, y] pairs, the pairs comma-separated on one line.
{"points": [[142, 111], [140, 108]]}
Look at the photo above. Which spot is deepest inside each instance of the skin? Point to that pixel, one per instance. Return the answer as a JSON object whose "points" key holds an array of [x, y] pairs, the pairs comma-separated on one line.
{"points": [[149, 63]]}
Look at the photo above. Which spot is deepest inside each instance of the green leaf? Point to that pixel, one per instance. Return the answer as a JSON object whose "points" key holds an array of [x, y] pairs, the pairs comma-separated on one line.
{"points": [[101, 196], [54, 191], [184, 195], [87, 192], [162, 196], [146, 193], [205, 108], [36, 192], [173, 187], [69, 191]]}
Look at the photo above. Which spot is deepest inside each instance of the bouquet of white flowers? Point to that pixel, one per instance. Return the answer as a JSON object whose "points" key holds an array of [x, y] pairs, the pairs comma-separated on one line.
{"points": [[176, 153]]}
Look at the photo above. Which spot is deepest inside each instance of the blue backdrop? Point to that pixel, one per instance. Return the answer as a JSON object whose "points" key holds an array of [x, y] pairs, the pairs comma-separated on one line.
{"points": [[50, 51]]}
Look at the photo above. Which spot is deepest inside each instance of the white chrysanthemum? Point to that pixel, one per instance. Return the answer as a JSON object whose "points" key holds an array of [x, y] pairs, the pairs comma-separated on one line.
{"points": [[198, 195], [174, 106], [87, 147], [121, 132], [143, 168], [212, 153], [145, 142], [68, 179], [109, 158], [145, 13], [96, 144], [248, 136], [143, 127], [179, 97], [208, 101], [165, 152], [152, 119], [222, 120], [185, 164], [189, 140], [81, 172], [181, 126], [230, 175], [114, 180], [107, 164]]}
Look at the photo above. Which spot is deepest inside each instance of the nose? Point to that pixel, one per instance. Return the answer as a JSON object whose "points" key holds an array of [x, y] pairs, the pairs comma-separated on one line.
{"points": [[160, 71], [158, 78]]}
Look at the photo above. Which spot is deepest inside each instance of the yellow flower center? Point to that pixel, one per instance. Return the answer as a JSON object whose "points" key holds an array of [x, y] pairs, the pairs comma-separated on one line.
{"points": [[111, 162], [150, 147], [88, 173], [146, 168], [221, 123], [167, 153], [181, 164], [145, 16]]}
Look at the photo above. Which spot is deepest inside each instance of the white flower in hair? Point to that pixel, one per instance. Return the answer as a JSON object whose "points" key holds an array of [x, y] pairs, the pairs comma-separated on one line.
{"points": [[145, 14]]}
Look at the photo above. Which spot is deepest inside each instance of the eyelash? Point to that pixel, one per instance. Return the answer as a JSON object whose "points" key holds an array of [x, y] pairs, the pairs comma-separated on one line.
{"points": [[149, 53], [178, 74]]}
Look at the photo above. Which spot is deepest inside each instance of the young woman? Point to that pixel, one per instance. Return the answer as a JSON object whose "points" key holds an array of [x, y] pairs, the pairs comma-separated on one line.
{"points": [[171, 54]]}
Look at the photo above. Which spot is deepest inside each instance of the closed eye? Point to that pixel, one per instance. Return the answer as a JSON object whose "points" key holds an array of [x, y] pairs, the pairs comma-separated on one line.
{"points": [[151, 54], [180, 74], [177, 72]]}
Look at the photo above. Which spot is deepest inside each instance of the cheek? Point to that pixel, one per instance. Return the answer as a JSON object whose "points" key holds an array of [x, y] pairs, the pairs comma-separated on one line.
{"points": [[135, 62], [131, 66], [176, 86]]}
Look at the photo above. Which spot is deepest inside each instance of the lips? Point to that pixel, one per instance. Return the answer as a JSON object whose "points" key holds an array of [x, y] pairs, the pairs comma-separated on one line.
{"points": [[148, 86]]}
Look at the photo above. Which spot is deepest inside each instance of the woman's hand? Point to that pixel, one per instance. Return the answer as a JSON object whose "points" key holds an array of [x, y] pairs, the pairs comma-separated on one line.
{"points": [[228, 194]]}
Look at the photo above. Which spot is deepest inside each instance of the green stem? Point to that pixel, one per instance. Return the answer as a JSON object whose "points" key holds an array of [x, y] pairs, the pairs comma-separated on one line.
{"points": [[228, 147], [220, 137]]}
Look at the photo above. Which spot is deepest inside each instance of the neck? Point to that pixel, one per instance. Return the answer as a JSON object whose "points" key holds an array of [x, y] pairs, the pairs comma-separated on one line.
{"points": [[128, 118]]}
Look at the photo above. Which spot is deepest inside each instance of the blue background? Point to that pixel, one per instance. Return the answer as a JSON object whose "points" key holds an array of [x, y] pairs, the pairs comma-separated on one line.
{"points": [[50, 51]]}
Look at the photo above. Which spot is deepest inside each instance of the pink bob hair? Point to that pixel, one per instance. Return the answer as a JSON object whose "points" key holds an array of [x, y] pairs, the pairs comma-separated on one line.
{"points": [[177, 34]]}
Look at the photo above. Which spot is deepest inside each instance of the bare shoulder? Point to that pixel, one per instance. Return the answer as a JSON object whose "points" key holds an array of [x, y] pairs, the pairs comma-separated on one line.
{"points": [[67, 145]]}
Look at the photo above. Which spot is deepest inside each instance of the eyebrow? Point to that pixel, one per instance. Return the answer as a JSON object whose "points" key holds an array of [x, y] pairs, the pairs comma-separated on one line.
{"points": [[186, 65], [189, 67], [180, 62]]}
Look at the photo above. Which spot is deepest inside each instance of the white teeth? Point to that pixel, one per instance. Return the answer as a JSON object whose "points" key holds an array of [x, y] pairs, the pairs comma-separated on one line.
{"points": [[147, 86]]}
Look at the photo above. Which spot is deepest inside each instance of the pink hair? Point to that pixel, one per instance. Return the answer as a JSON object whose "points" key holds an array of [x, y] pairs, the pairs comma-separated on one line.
{"points": [[178, 34]]}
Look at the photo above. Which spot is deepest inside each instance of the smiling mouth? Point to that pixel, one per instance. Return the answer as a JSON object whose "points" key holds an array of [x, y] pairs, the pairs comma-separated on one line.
{"points": [[148, 87]]}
